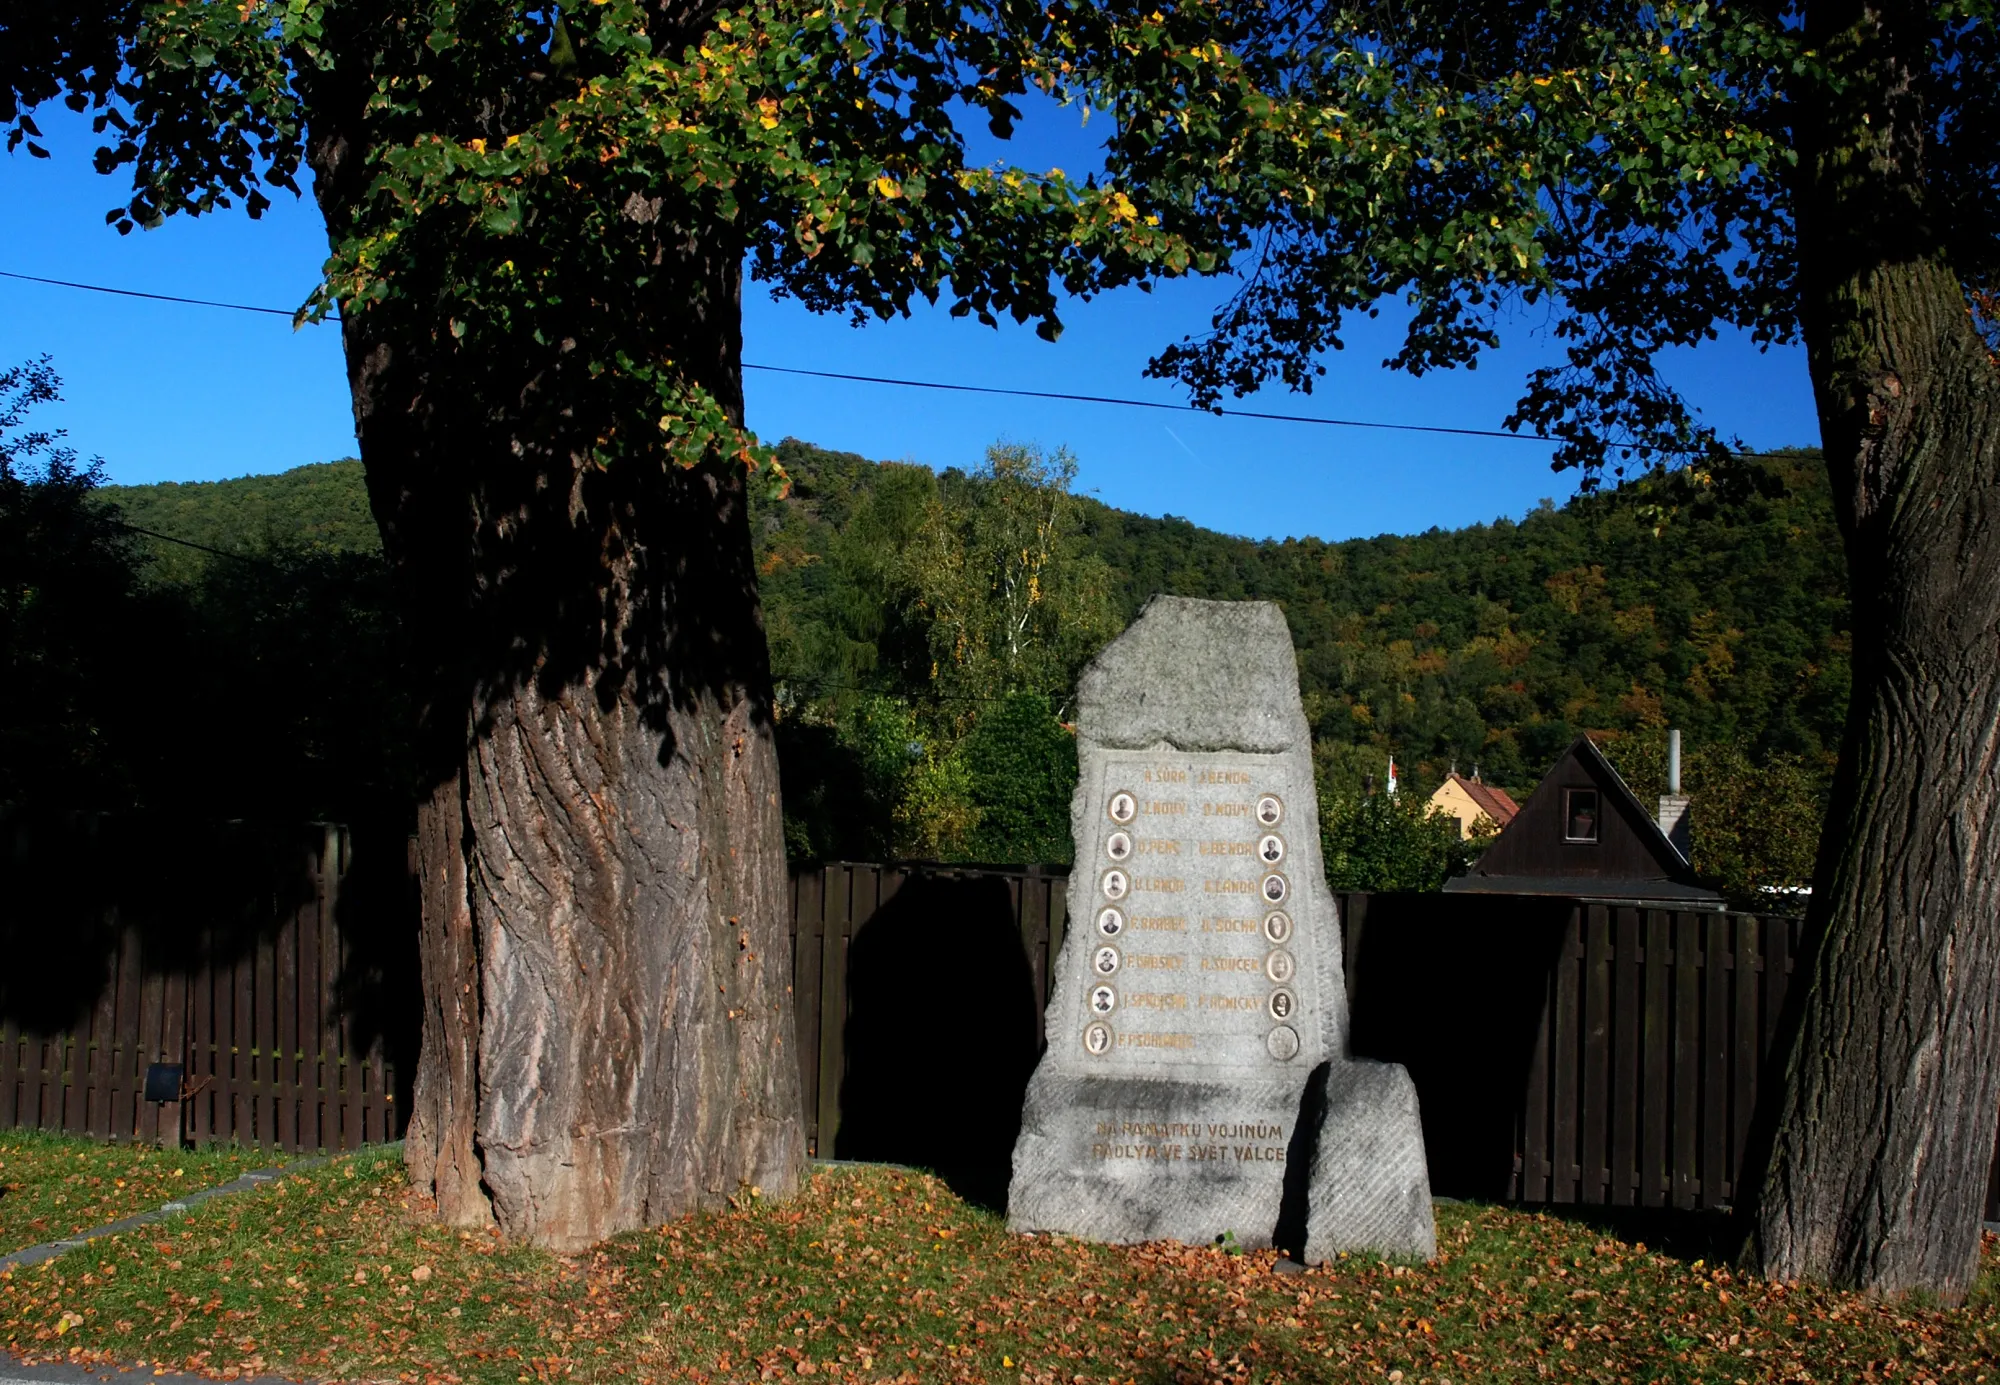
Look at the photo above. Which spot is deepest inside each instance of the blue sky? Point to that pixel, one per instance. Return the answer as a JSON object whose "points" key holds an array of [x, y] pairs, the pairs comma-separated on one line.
{"points": [[169, 392]]}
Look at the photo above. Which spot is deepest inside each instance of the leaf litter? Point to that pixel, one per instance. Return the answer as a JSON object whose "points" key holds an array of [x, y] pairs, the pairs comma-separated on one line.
{"points": [[883, 1275]]}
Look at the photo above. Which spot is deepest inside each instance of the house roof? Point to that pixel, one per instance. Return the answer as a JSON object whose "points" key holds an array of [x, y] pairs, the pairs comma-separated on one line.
{"points": [[1628, 857], [1495, 803]]}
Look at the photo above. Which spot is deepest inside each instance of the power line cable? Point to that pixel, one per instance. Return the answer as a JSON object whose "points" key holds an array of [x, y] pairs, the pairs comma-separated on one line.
{"points": [[198, 547], [1156, 404], [156, 297], [950, 387]]}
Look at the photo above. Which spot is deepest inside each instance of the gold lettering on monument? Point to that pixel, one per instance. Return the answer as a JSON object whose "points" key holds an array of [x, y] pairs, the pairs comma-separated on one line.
{"points": [[1168, 1141], [1228, 925], [1237, 1000]]}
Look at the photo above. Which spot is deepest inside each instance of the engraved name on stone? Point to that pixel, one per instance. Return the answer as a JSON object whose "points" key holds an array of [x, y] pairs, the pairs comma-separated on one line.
{"points": [[1209, 839]]}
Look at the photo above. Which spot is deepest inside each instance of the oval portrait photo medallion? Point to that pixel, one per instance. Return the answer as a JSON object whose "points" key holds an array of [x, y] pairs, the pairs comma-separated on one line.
{"points": [[1270, 810], [1283, 1043], [1097, 1038], [1111, 922], [1278, 927], [1123, 807], [1103, 1000], [1116, 884], [1275, 888]]}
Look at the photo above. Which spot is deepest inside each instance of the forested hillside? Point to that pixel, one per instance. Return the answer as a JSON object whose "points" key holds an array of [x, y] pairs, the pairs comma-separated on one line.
{"points": [[925, 631], [1491, 646]]}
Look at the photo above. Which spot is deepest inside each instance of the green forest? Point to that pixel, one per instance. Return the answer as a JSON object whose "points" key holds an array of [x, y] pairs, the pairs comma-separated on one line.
{"points": [[926, 629]]}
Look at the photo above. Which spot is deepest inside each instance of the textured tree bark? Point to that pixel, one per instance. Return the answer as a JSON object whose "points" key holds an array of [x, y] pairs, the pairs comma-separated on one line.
{"points": [[1875, 1169], [608, 1017]]}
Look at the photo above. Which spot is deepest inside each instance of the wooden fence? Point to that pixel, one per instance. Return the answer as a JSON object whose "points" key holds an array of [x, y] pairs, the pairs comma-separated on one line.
{"points": [[1630, 1045], [1563, 1051], [275, 996]]}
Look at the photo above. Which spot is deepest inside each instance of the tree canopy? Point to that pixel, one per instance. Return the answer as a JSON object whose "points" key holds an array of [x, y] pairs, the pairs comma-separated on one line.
{"points": [[1635, 171]]}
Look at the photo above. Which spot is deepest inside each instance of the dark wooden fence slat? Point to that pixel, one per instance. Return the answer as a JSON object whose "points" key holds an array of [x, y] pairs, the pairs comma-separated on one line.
{"points": [[1715, 1062], [314, 920], [151, 1048], [1058, 919], [1777, 978], [1032, 917], [1659, 1063], [353, 1074], [1565, 1049], [326, 1034], [123, 1043], [1595, 980], [264, 1037], [833, 1003], [1534, 1142], [100, 1028], [34, 1080], [243, 1058], [1687, 1059], [1744, 1048], [10, 1074], [285, 1025], [174, 1024], [811, 916], [201, 1048], [1625, 1058]]}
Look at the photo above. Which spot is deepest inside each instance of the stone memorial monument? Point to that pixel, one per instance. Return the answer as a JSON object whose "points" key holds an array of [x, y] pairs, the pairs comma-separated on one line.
{"points": [[1197, 1081]]}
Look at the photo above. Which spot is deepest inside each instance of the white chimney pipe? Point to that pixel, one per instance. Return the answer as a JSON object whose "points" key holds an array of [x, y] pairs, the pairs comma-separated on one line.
{"points": [[1673, 817]]}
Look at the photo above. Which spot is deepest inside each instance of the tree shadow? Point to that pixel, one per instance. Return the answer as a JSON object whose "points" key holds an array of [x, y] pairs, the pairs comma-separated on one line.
{"points": [[1453, 988], [942, 1034], [101, 907]]}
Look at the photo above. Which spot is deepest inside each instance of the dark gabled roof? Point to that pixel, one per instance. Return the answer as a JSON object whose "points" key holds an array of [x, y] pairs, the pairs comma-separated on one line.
{"points": [[1631, 858], [1495, 803]]}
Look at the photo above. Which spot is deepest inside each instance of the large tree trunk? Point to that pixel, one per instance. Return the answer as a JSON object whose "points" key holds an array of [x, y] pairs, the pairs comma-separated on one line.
{"points": [[1876, 1166], [608, 1021]]}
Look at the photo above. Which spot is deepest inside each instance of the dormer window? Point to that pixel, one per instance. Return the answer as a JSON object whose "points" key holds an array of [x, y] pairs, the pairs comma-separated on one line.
{"points": [[1580, 815]]}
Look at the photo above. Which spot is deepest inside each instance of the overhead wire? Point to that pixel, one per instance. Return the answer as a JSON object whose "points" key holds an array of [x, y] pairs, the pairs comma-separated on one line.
{"points": [[954, 387]]}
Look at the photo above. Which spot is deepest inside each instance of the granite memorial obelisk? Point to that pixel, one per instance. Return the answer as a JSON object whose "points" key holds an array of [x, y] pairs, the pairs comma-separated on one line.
{"points": [[1198, 1013]]}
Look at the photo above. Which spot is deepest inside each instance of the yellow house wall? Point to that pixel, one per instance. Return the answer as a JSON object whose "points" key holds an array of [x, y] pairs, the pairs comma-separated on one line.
{"points": [[1455, 801]]}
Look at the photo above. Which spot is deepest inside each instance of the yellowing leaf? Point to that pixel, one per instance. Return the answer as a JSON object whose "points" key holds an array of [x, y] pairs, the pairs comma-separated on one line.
{"points": [[888, 187], [1122, 208]]}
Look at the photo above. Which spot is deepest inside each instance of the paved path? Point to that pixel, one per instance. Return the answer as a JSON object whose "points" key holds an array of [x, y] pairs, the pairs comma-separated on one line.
{"points": [[14, 1372], [49, 1250]]}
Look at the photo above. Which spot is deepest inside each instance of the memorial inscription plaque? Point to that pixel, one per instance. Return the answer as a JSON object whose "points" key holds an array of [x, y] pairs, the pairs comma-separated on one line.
{"points": [[1198, 995]]}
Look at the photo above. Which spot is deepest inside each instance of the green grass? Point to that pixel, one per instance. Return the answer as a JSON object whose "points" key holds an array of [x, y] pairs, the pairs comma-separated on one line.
{"points": [[53, 1186], [875, 1274]]}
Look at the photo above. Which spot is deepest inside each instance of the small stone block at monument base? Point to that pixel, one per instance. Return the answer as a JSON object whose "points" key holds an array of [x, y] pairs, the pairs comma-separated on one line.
{"points": [[1198, 1013]]}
